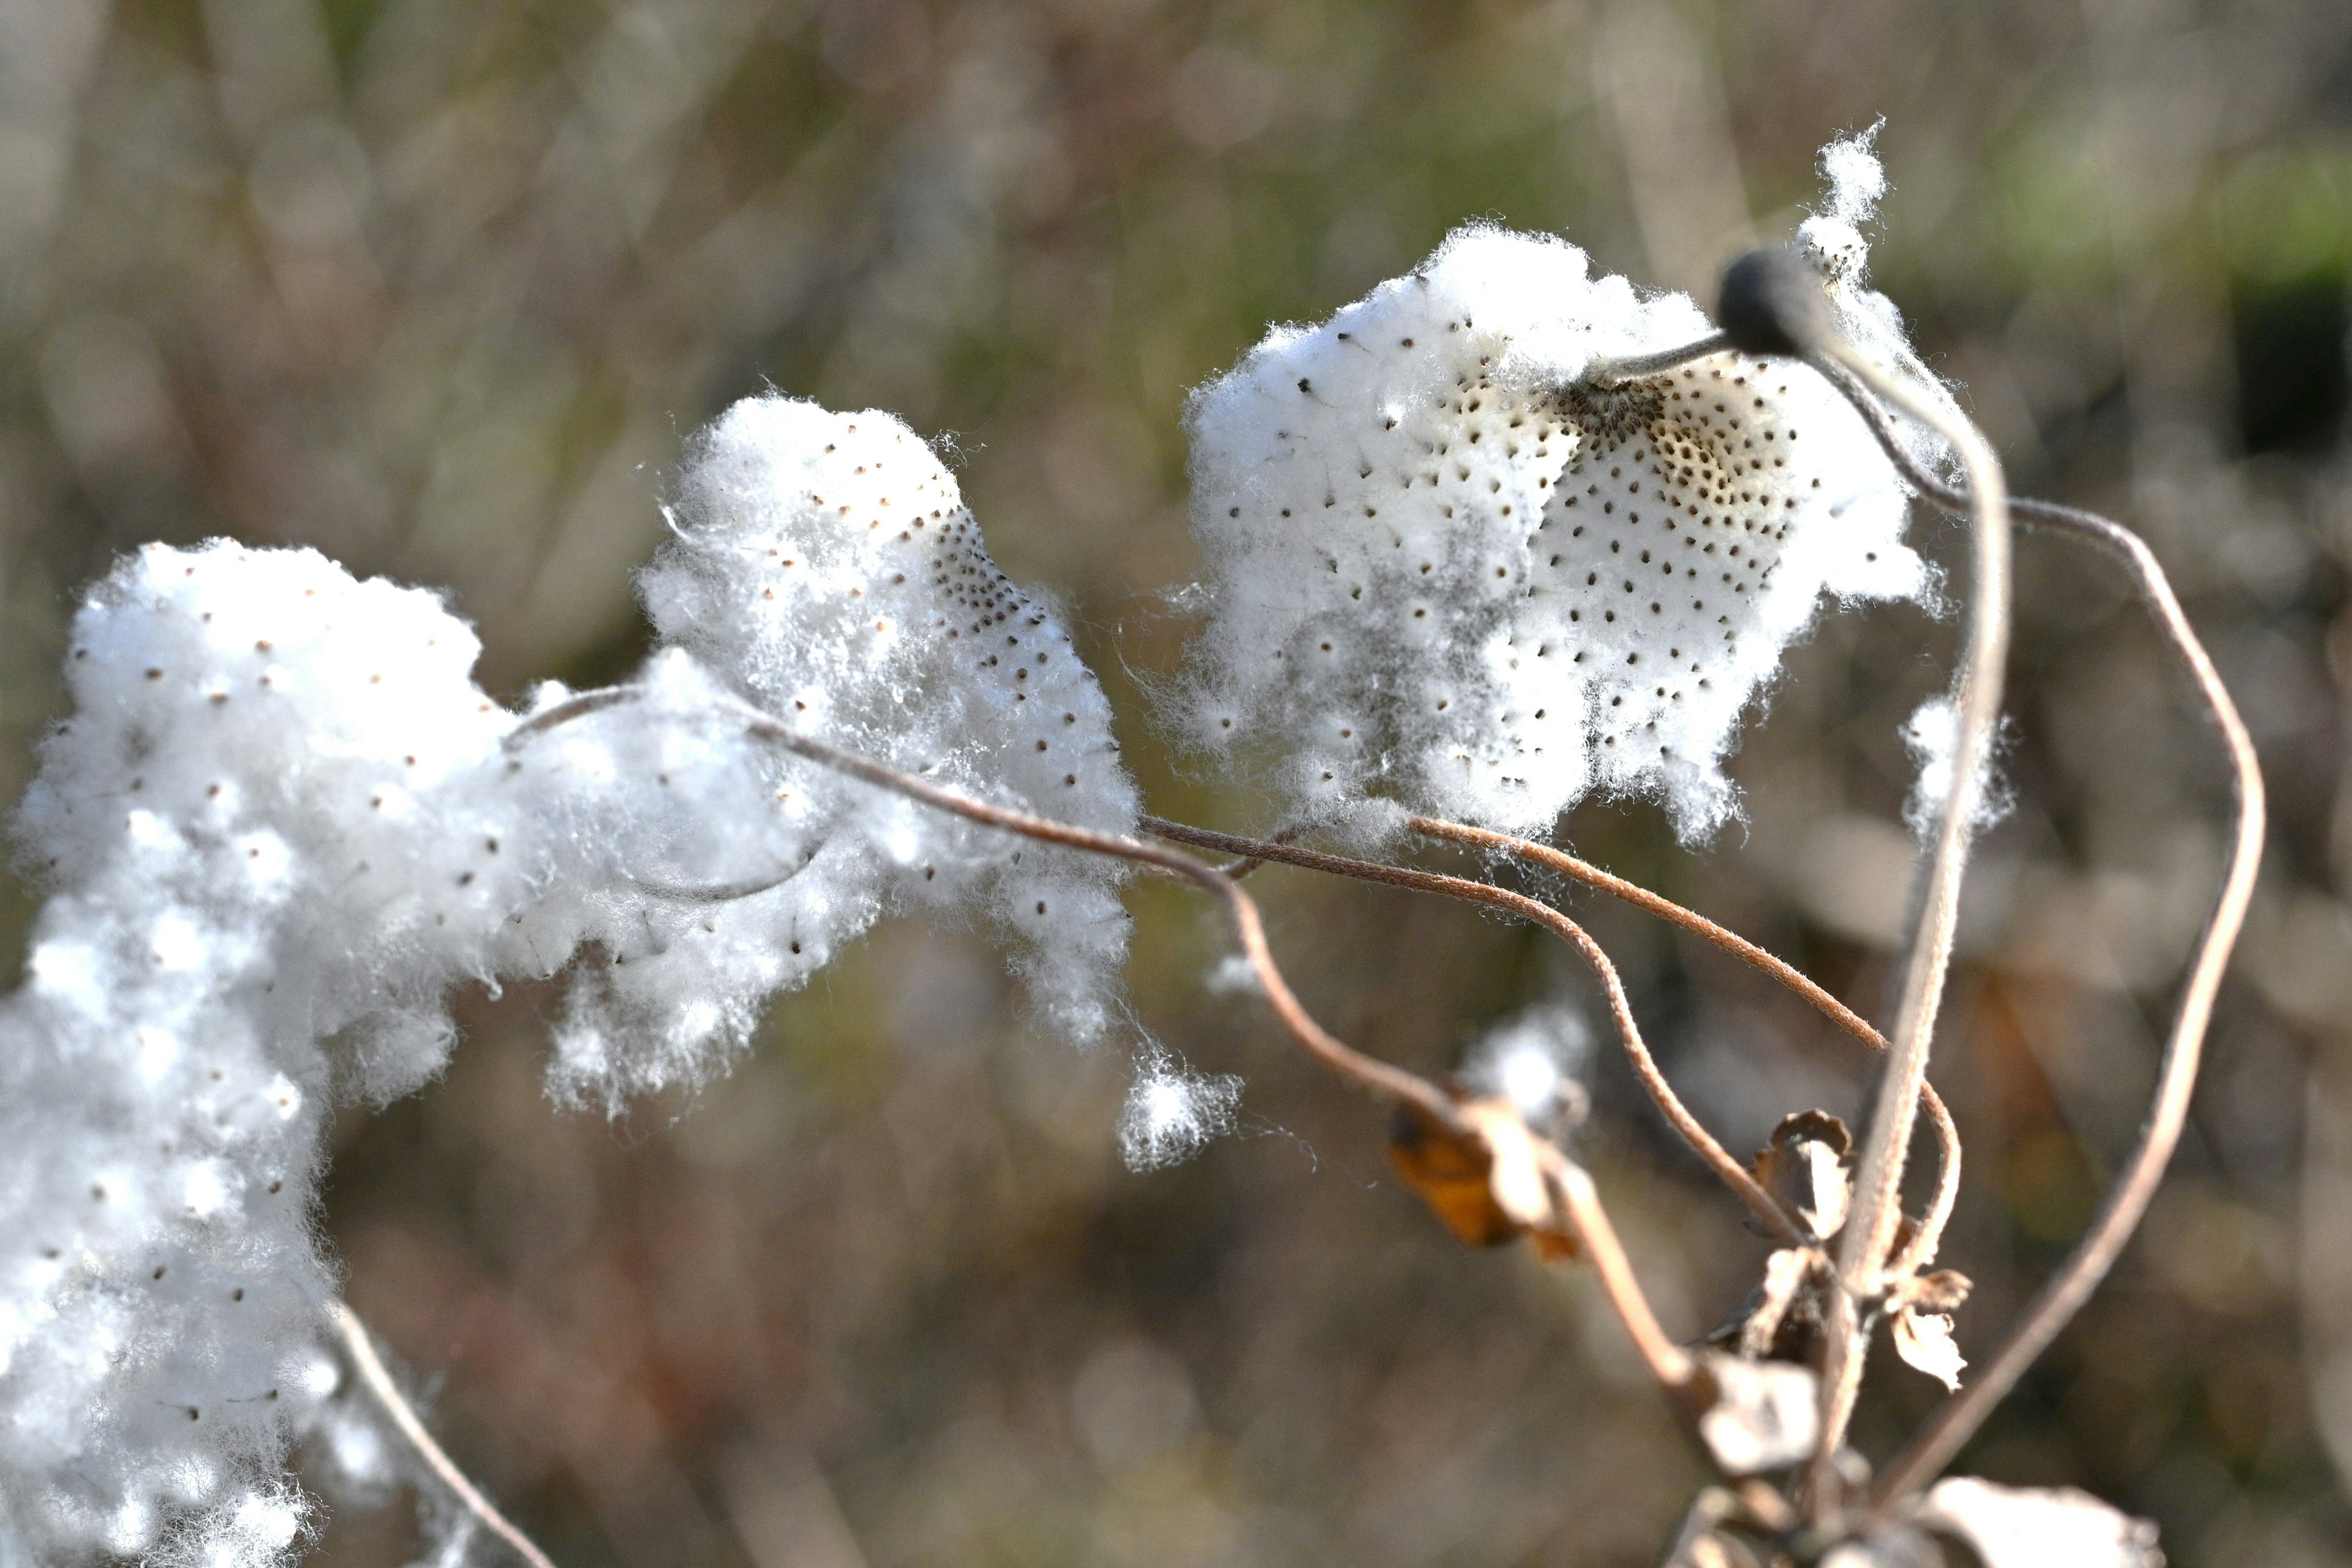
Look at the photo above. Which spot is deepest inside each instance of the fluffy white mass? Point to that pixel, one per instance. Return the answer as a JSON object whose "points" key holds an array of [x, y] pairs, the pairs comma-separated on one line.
{"points": [[1533, 1060], [1171, 1113], [283, 821], [1439, 570], [826, 563]]}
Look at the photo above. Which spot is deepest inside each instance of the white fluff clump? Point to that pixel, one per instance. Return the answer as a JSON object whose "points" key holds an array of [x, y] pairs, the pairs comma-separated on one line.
{"points": [[1834, 239], [1534, 1062], [283, 821], [1438, 569], [1171, 1113], [826, 570], [279, 813], [1931, 735]]}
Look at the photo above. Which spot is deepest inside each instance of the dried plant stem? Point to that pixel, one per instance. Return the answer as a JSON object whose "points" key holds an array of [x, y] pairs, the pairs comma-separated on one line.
{"points": [[1947, 1133], [1877, 1197], [1634, 367], [1767, 1208], [1580, 1204], [1377, 1077], [2064, 1294], [1572, 1189], [371, 1368]]}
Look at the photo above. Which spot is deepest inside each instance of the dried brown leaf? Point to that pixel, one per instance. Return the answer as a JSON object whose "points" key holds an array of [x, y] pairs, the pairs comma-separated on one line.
{"points": [[1808, 1165], [1486, 1184]]}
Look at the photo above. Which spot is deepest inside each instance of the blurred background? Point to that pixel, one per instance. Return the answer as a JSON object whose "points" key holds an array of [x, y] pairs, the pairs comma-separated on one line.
{"points": [[438, 286]]}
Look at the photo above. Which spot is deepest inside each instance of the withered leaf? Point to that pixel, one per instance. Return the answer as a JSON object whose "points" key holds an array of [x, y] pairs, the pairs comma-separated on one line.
{"points": [[1486, 1187], [1806, 1165], [1784, 1276], [2027, 1527], [1942, 1292], [1765, 1414], [1924, 1340]]}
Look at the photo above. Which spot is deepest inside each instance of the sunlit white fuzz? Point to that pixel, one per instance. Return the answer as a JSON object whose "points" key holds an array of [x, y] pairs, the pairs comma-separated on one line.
{"points": [[1534, 1059], [1930, 735], [1438, 569], [1171, 1113], [283, 820], [827, 570]]}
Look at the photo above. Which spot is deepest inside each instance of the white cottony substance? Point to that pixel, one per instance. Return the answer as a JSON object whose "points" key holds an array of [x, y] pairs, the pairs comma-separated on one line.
{"points": [[827, 568], [1532, 1061], [283, 821], [1930, 735], [1171, 1112], [1437, 570]]}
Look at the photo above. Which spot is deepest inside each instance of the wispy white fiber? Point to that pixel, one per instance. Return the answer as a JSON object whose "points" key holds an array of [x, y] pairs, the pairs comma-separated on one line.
{"points": [[1172, 1111], [1534, 1059]]}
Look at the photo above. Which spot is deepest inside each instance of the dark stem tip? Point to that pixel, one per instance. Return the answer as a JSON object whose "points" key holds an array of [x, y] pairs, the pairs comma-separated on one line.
{"points": [[1773, 304]]}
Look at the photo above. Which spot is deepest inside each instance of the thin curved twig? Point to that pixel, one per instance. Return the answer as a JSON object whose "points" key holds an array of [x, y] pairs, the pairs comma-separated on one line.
{"points": [[1390, 1083], [1922, 1248], [371, 1368], [1634, 367], [2128, 1201], [1886, 1146], [1767, 1208], [1579, 1203]]}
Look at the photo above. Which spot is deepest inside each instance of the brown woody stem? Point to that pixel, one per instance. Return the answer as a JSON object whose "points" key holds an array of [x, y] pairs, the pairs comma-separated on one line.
{"points": [[1377, 1077], [1580, 1204], [1767, 1208], [1947, 1133], [2128, 1201]]}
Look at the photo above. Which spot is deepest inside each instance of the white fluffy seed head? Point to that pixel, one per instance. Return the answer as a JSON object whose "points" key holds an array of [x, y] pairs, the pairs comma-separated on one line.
{"points": [[1172, 1111], [1438, 569], [263, 827], [283, 820], [828, 572]]}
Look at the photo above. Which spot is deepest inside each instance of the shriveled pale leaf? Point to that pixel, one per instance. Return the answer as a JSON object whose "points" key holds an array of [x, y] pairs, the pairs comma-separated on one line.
{"points": [[1808, 1165], [2036, 1527], [1765, 1415], [1924, 1340], [1516, 1175], [1784, 1276]]}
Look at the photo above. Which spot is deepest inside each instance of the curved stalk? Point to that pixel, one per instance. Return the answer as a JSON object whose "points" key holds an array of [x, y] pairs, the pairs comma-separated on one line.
{"points": [[1923, 1245], [2128, 1201], [371, 1368], [1734, 1175], [1634, 367], [1378, 1078], [1878, 1195]]}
